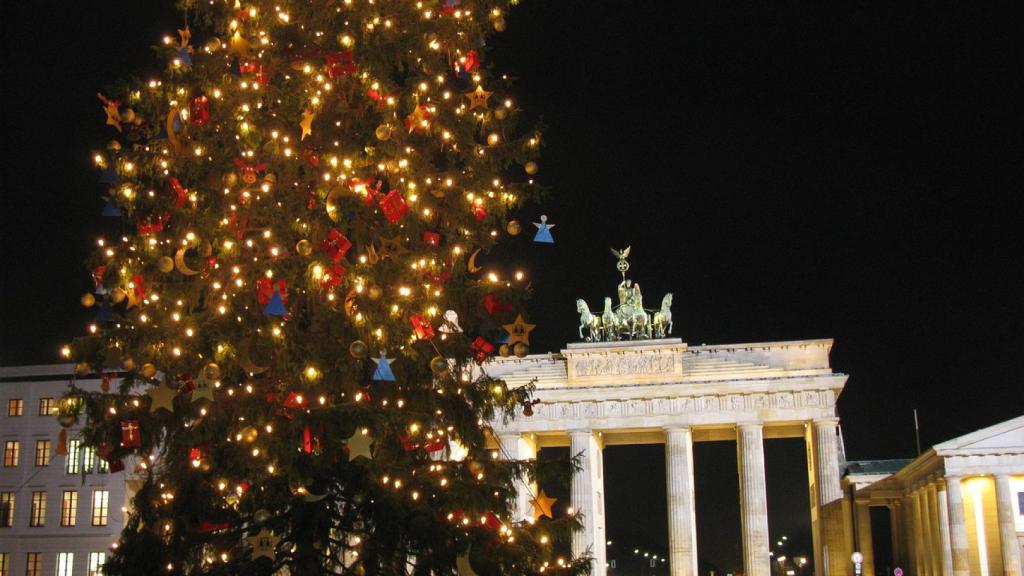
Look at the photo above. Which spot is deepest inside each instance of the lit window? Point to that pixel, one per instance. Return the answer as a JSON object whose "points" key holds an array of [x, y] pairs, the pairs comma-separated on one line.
{"points": [[34, 564], [42, 453], [5, 566], [100, 499], [69, 508], [6, 509], [11, 451], [65, 563], [15, 407], [88, 458], [47, 407], [96, 560], [73, 461], [38, 516]]}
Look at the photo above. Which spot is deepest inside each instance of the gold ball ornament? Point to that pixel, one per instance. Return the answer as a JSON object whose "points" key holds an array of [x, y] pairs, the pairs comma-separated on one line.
{"points": [[82, 368], [375, 292], [165, 264], [383, 132], [304, 247], [513, 227], [118, 295], [230, 179], [211, 371], [531, 167], [499, 24], [520, 350], [249, 434], [504, 351], [493, 139], [358, 349], [128, 363], [500, 113], [127, 115], [148, 370], [113, 146], [88, 300], [439, 365]]}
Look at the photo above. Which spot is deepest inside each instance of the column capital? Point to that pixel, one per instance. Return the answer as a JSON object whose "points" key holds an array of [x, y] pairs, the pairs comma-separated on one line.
{"points": [[823, 422], [940, 484], [750, 426], [676, 428], [580, 432]]}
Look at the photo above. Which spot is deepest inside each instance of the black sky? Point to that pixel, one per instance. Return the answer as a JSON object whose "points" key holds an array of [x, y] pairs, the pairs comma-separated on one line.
{"points": [[788, 170]]}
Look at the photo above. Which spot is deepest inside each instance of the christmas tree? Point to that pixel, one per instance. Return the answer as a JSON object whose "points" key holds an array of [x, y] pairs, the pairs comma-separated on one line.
{"points": [[291, 299]]}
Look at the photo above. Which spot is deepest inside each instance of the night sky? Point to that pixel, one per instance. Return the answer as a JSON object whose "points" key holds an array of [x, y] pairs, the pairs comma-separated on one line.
{"points": [[788, 171]]}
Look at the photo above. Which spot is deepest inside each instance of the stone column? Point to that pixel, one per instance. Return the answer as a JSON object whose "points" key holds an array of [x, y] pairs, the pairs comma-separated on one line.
{"points": [[895, 531], [588, 499], [864, 538], [830, 517], [1007, 527], [519, 447], [942, 502], [920, 542], [957, 527], [753, 500], [934, 542], [682, 518]]}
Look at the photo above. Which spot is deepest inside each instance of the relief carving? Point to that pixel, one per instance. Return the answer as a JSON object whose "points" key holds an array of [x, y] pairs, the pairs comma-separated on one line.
{"points": [[625, 365]]}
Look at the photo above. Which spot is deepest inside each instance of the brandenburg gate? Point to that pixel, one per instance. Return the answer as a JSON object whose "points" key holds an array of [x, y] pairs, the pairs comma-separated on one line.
{"points": [[662, 391]]}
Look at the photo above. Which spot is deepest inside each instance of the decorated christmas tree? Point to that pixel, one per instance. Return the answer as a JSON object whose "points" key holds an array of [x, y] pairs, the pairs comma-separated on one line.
{"points": [[290, 323]]}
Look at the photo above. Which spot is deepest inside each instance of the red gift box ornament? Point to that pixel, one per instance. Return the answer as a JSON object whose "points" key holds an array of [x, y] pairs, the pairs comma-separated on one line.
{"points": [[340, 63], [308, 441], [130, 434], [335, 245], [265, 290], [479, 212], [152, 225], [331, 279], [482, 348], [394, 207], [199, 110], [432, 239], [294, 400], [424, 331], [467, 63]]}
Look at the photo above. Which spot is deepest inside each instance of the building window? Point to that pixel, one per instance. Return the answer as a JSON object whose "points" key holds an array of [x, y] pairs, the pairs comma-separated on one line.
{"points": [[38, 517], [34, 564], [42, 453], [100, 499], [69, 508], [5, 567], [88, 458], [11, 451], [47, 407], [15, 407], [96, 560], [6, 509], [1020, 503], [65, 563], [73, 461]]}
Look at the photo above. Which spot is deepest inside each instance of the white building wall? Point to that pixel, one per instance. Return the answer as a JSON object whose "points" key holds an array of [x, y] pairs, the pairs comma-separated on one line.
{"points": [[30, 384]]}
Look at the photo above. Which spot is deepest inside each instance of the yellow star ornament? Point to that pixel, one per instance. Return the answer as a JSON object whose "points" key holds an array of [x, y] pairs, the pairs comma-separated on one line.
{"points": [[264, 544], [478, 98], [161, 396], [519, 331], [542, 505]]}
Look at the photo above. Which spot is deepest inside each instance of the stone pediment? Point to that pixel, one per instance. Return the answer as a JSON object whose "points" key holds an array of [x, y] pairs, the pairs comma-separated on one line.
{"points": [[1005, 437]]}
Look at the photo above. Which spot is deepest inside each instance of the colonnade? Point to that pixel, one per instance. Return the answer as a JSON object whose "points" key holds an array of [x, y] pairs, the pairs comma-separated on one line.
{"points": [[933, 528], [587, 491]]}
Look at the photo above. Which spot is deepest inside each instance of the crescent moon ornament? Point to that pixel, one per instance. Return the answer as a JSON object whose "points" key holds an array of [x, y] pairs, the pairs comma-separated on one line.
{"points": [[172, 136], [245, 361], [462, 566], [333, 211], [179, 263], [350, 304], [471, 263]]}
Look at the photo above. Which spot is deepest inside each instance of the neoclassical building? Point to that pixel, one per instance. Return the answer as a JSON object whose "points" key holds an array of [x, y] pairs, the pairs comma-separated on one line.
{"points": [[957, 509], [666, 392]]}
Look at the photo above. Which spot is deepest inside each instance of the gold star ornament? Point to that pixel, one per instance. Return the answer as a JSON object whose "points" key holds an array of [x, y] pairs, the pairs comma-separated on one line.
{"points": [[478, 98], [519, 331], [161, 396], [359, 445], [264, 544], [542, 505]]}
